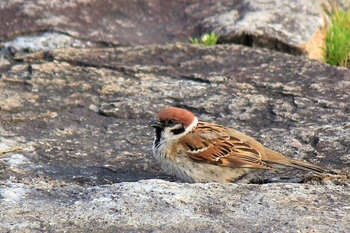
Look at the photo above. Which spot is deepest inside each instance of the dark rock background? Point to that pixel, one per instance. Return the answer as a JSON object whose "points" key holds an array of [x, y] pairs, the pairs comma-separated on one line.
{"points": [[84, 113]]}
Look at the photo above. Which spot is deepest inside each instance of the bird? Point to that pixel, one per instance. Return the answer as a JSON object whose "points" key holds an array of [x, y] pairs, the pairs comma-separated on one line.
{"points": [[202, 152]]}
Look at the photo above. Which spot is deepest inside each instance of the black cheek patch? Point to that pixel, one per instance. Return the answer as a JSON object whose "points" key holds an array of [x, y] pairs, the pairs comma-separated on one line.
{"points": [[178, 131]]}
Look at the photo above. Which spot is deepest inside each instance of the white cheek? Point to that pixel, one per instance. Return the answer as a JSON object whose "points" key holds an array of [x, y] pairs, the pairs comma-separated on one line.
{"points": [[169, 136]]}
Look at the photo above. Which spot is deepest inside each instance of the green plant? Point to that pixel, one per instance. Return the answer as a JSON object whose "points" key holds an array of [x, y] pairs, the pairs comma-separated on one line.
{"points": [[338, 39], [206, 39]]}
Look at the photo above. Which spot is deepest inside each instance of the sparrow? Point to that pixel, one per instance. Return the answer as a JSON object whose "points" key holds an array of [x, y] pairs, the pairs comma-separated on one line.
{"points": [[196, 151]]}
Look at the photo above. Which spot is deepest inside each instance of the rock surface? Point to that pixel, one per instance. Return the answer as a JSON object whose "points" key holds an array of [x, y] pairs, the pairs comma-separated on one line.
{"points": [[264, 24], [75, 146], [78, 118], [295, 27], [160, 206]]}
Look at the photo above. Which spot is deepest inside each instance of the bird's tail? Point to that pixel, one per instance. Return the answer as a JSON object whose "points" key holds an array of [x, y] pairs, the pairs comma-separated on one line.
{"points": [[285, 161]]}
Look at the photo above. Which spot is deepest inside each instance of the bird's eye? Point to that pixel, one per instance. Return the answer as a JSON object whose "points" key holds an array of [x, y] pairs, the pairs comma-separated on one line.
{"points": [[171, 122]]}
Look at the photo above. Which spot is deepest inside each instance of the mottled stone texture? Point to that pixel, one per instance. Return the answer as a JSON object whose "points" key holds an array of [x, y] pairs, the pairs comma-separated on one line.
{"points": [[160, 206], [295, 27], [79, 117]]}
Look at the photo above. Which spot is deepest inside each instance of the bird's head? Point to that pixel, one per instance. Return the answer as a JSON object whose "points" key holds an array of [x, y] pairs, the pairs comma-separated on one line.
{"points": [[173, 123]]}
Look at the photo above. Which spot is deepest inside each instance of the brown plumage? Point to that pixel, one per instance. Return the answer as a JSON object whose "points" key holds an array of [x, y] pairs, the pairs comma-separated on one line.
{"points": [[204, 152]]}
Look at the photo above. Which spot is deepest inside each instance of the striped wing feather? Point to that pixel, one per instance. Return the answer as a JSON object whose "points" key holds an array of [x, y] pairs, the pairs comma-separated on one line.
{"points": [[210, 144]]}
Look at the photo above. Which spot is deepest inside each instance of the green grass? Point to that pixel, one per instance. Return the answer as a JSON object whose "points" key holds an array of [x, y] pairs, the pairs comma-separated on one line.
{"points": [[338, 39], [206, 39]]}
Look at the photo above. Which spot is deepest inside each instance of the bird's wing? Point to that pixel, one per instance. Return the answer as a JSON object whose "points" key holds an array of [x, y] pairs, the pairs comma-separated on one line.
{"points": [[209, 143]]}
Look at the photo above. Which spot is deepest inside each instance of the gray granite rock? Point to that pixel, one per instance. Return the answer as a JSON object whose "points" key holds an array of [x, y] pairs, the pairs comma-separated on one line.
{"points": [[295, 27], [160, 206]]}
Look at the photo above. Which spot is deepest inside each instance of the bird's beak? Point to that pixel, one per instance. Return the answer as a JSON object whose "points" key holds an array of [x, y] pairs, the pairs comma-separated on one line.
{"points": [[155, 123]]}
